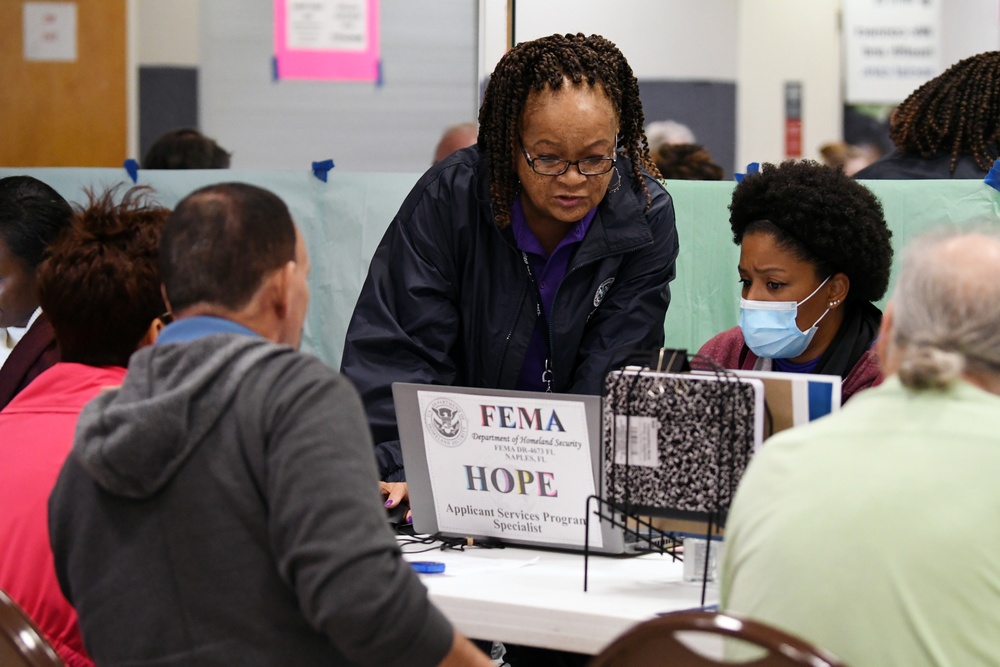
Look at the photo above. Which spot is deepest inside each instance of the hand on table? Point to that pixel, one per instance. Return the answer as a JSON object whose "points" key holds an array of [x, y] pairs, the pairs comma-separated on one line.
{"points": [[396, 494]]}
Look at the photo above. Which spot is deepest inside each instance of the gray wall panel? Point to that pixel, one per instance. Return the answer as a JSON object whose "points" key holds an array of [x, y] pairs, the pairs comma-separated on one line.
{"points": [[707, 107], [168, 99], [429, 63]]}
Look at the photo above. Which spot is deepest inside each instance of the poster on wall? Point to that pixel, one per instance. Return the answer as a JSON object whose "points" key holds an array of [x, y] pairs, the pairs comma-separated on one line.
{"points": [[50, 31], [326, 40], [891, 47]]}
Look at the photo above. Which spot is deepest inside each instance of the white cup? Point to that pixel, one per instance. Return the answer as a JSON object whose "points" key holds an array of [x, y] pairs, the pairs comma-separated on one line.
{"points": [[695, 551]]}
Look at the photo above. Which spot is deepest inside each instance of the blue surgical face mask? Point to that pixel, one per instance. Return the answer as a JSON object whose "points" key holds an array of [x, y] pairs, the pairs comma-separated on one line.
{"points": [[769, 327]]}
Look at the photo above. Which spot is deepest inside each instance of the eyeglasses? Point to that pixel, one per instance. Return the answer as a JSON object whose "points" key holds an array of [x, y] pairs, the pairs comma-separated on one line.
{"points": [[166, 317], [552, 166]]}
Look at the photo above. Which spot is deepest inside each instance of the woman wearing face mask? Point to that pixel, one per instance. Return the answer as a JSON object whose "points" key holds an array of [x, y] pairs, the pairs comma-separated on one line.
{"points": [[815, 252]]}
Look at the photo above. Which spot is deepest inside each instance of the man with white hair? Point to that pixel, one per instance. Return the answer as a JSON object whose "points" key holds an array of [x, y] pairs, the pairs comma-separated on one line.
{"points": [[874, 532], [668, 132]]}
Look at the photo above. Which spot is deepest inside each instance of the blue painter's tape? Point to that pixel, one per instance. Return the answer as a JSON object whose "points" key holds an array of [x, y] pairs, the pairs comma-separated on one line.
{"points": [[132, 168], [322, 169], [993, 177], [752, 168], [274, 68], [378, 73]]}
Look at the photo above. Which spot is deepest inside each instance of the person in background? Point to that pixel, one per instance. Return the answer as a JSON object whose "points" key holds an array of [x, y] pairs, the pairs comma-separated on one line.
{"points": [[100, 289], [186, 148], [815, 252], [220, 507], [32, 215], [689, 162], [662, 132], [947, 128], [454, 138], [849, 159], [873, 532], [537, 259]]}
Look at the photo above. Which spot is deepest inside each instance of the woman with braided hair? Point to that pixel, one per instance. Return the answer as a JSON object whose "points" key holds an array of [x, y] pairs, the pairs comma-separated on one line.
{"points": [[947, 128], [537, 259]]}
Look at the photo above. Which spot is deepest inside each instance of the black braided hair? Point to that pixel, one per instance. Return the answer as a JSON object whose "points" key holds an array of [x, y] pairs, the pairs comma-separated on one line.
{"points": [[822, 217], [549, 61], [955, 113]]}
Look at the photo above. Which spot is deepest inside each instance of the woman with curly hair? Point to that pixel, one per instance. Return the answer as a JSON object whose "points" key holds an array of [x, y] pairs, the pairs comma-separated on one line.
{"points": [[947, 128], [815, 252], [99, 286], [537, 259]]}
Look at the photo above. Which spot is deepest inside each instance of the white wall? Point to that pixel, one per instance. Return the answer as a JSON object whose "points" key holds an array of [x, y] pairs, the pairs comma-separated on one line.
{"points": [[492, 35], [662, 39], [968, 27], [168, 32], [779, 41]]}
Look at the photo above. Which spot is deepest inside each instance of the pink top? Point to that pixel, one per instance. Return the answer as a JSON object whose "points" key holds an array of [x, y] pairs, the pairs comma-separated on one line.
{"points": [[37, 434], [725, 349]]}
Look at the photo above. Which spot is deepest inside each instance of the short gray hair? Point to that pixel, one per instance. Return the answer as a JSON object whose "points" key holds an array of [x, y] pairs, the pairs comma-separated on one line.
{"points": [[946, 312]]}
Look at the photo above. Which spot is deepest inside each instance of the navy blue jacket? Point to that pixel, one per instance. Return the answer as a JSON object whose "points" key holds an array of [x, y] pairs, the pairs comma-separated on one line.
{"points": [[907, 166], [449, 300]]}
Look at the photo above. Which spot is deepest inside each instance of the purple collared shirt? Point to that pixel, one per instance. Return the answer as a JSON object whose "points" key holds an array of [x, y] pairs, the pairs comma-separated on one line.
{"points": [[548, 271]]}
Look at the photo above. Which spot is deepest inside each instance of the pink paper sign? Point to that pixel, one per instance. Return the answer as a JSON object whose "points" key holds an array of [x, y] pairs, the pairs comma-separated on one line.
{"points": [[329, 40]]}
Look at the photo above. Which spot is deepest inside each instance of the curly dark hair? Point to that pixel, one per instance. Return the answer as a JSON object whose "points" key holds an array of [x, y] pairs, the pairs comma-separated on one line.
{"points": [[821, 216], [550, 61], [689, 162], [100, 284], [957, 112]]}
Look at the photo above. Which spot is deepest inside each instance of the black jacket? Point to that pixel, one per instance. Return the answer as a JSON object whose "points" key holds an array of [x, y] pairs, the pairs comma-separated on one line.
{"points": [[906, 166], [449, 300]]}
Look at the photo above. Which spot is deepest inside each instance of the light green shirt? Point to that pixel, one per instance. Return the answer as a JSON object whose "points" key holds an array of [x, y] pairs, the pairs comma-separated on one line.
{"points": [[875, 532]]}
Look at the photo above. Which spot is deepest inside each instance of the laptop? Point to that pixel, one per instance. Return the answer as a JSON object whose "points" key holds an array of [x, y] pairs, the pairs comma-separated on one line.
{"points": [[514, 466], [508, 465]]}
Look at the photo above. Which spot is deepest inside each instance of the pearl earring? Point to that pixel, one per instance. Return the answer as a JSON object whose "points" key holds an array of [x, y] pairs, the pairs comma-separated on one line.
{"points": [[833, 304]]}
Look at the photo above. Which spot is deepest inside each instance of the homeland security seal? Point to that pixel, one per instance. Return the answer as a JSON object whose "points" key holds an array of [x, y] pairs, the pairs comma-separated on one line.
{"points": [[446, 422], [602, 290]]}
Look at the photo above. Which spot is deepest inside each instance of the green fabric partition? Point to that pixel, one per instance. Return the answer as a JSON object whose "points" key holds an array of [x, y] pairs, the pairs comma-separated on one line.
{"points": [[706, 295], [343, 220]]}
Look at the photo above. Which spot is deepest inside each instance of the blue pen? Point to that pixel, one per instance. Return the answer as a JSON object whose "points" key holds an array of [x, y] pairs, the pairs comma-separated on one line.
{"points": [[428, 566]]}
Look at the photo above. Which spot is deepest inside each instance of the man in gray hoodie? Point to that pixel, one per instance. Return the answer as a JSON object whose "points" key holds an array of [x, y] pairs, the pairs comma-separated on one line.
{"points": [[221, 507]]}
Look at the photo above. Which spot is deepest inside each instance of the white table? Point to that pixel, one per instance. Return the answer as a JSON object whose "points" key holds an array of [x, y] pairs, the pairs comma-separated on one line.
{"points": [[543, 604]]}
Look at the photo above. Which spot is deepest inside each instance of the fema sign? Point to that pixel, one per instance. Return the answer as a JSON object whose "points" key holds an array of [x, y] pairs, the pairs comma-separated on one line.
{"points": [[513, 467]]}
